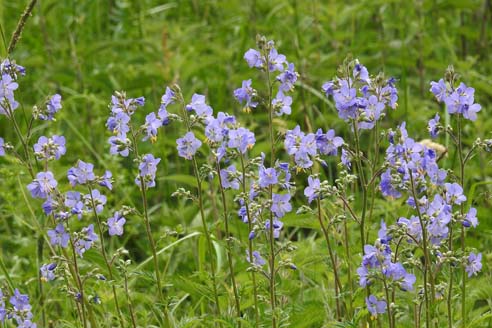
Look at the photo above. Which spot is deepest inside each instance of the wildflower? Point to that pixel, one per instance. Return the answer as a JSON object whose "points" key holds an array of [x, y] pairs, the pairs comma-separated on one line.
{"points": [[148, 170], [152, 123], [228, 178], [74, 203], [50, 148], [85, 240], [7, 101], [276, 61], [168, 97], [53, 105], [313, 190], [241, 139], [277, 226], [47, 272], [433, 126], [470, 218], [106, 180], [254, 58], [119, 145], [346, 159], [386, 186], [474, 264], [454, 193], [288, 78], [327, 143], [281, 104], [199, 106], [119, 124], [245, 95], [58, 236], [2, 147], [375, 306], [81, 174], [43, 185], [22, 310], [188, 145], [267, 177], [439, 89], [257, 259], [95, 198], [281, 204], [115, 224]]}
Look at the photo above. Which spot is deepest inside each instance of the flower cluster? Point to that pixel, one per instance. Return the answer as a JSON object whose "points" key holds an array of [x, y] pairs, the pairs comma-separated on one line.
{"points": [[359, 97], [20, 311], [8, 85], [268, 59], [50, 148], [459, 100], [308, 147]]}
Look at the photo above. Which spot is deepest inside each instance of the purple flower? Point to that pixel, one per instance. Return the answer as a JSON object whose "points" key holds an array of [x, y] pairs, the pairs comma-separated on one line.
{"points": [[287, 78], [281, 104], [2, 147], [43, 185], [229, 178], [413, 227], [386, 186], [50, 148], [360, 73], [106, 180], [328, 143], [374, 306], [461, 101], [168, 97], [7, 101], [245, 95], [313, 189], [119, 124], [328, 88], [346, 101], [53, 105], [372, 113], [148, 170], [199, 106], [58, 236], [74, 203], [20, 302], [253, 58], [257, 259], [439, 89], [293, 139], [188, 145], [346, 159], [81, 174], [281, 204], [267, 177], [152, 123], [276, 61], [474, 264], [119, 145], [241, 139], [47, 272], [433, 126], [96, 199], [277, 226], [470, 218], [85, 240], [11, 68], [115, 224], [454, 193]]}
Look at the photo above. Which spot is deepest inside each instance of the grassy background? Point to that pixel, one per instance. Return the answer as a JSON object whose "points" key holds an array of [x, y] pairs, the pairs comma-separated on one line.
{"points": [[87, 49]]}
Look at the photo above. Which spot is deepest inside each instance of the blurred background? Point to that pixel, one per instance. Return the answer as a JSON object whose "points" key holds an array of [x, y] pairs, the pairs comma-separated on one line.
{"points": [[85, 50]]}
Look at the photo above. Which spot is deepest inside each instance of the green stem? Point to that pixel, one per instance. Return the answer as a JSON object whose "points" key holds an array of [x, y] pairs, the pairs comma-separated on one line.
{"points": [[338, 285], [103, 251], [228, 243], [250, 241], [462, 210]]}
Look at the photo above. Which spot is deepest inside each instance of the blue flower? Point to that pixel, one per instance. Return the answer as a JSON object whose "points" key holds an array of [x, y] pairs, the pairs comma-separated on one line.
{"points": [[375, 306], [152, 123], [439, 90], [313, 190], [287, 78], [2, 147], [85, 240], [254, 58], [281, 204], [53, 105], [281, 104], [188, 145], [433, 126], [98, 199], [277, 226], [147, 170], [241, 139], [50, 148], [245, 96], [58, 236], [257, 259], [267, 177], [81, 174], [47, 272], [470, 218], [229, 178], [199, 106], [115, 224], [474, 264], [43, 185]]}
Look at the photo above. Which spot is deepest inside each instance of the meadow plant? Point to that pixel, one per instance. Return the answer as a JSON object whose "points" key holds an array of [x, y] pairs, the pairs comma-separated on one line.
{"points": [[404, 268]]}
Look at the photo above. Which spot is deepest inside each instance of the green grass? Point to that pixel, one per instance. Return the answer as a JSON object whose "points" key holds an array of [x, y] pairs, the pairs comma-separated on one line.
{"points": [[85, 50]]}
